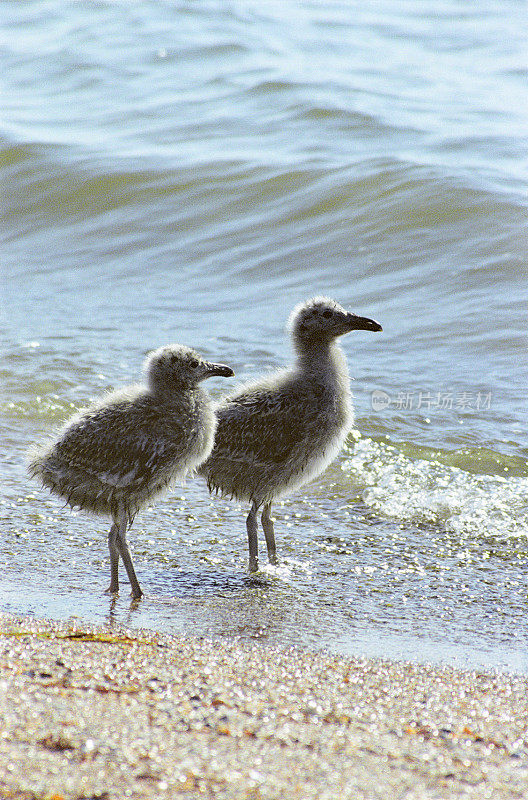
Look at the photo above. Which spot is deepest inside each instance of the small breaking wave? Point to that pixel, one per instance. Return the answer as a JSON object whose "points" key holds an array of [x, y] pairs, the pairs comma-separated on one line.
{"points": [[422, 489]]}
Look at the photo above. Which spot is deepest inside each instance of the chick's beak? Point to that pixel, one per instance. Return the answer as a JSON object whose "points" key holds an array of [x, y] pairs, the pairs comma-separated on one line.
{"points": [[220, 369], [356, 323]]}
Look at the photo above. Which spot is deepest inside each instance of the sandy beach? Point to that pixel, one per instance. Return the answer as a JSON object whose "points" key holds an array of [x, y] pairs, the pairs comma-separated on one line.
{"points": [[100, 713]]}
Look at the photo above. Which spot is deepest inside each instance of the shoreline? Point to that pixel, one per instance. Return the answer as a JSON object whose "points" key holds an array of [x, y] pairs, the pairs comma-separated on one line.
{"points": [[97, 712]]}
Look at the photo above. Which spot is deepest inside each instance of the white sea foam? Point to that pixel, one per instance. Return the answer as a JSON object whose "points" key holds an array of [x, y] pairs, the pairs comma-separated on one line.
{"points": [[418, 490]]}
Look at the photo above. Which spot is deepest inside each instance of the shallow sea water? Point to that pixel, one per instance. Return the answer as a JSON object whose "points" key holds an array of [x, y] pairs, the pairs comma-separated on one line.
{"points": [[188, 172]]}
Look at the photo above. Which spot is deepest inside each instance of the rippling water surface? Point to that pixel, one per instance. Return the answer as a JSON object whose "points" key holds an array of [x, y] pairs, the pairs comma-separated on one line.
{"points": [[188, 172]]}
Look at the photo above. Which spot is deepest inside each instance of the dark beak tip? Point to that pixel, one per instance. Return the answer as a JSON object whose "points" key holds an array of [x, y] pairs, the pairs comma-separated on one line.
{"points": [[223, 371], [365, 324]]}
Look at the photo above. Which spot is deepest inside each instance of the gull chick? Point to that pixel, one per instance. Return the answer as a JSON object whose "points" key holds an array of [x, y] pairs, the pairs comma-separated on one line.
{"points": [[128, 447], [276, 434]]}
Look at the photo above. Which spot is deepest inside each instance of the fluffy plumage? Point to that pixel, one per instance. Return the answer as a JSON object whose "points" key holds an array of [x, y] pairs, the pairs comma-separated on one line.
{"points": [[128, 447], [280, 432]]}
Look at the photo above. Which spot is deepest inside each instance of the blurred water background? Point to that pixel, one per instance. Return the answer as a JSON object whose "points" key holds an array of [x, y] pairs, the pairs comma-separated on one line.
{"points": [[187, 171]]}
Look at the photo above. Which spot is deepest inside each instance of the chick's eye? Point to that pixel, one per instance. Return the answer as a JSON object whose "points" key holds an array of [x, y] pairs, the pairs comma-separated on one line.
{"points": [[327, 314], [194, 363]]}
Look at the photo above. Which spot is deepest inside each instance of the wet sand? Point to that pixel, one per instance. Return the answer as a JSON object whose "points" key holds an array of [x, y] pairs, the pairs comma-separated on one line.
{"points": [[107, 714]]}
